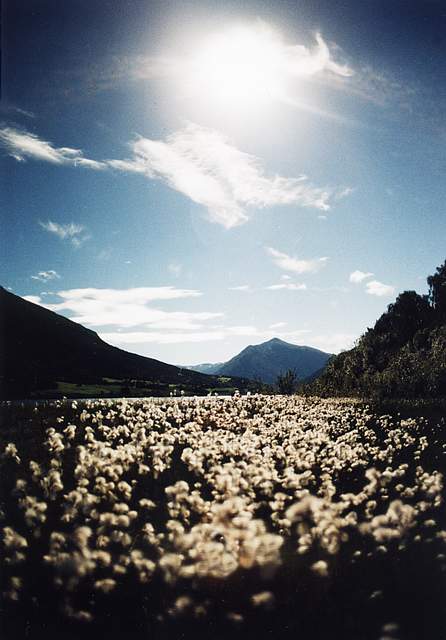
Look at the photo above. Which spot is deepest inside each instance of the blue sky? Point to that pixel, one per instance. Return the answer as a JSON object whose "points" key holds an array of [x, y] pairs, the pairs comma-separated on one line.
{"points": [[189, 178]]}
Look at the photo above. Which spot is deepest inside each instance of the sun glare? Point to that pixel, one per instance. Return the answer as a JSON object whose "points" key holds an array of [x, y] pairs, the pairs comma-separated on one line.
{"points": [[239, 68]]}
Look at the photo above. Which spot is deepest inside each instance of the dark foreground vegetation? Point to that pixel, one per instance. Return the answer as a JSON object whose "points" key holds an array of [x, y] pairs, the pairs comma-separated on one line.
{"points": [[403, 356], [253, 517]]}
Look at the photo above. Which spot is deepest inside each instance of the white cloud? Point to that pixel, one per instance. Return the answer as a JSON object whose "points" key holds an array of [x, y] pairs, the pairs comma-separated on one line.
{"points": [[22, 144], [289, 286], [159, 337], [289, 263], [44, 276], [359, 276], [277, 325], [333, 342], [210, 335], [124, 308], [305, 62], [33, 299], [201, 164], [163, 337], [375, 288], [198, 162], [127, 308], [241, 287], [71, 231]]}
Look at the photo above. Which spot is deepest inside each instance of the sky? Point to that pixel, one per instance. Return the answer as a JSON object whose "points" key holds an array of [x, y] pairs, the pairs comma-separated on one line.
{"points": [[187, 178]]}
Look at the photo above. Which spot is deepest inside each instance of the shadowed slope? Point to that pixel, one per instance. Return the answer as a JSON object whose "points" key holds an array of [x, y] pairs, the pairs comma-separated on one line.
{"points": [[40, 347]]}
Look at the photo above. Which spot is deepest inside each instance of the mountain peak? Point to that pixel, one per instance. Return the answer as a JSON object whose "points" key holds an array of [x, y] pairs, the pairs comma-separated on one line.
{"points": [[266, 361], [275, 341]]}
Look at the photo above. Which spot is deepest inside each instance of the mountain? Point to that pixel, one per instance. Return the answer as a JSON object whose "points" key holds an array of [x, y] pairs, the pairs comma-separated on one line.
{"points": [[43, 352], [402, 356], [268, 360], [209, 368]]}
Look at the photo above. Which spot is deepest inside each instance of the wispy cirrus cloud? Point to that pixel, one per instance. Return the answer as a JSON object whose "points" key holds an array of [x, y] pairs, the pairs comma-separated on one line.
{"points": [[9, 108], [203, 165], [75, 233], [359, 276], [296, 265], [379, 87], [23, 145], [45, 276], [200, 163], [376, 288]]}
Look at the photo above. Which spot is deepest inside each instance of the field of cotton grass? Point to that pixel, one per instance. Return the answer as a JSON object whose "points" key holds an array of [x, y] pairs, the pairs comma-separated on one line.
{"points": [[252, 517]]}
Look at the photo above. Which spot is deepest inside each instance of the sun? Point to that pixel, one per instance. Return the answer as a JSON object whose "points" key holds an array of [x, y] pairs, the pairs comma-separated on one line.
{"points": [[241, 67]]}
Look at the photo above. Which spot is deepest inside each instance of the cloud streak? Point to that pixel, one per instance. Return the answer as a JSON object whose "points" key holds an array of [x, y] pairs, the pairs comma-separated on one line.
{"points": [[209, 335], [133, 320], [125, 308], [45, 276], [296, 265], [23, 145], [200, 163], [70, 231], [332, 342], [203, 165]]}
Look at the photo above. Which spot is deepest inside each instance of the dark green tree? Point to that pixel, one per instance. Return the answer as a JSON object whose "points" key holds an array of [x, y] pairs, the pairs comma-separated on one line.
{"points": [[408, 314], [437, 290], [287, 382], [402, 356]]}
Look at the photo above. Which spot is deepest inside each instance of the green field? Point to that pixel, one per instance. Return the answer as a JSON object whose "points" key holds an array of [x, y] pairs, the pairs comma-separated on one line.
{"points": [[112, 388]]}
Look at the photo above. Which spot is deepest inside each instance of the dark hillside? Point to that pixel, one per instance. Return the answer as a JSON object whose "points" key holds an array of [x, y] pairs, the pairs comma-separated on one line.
{"points": [[40, 347]]}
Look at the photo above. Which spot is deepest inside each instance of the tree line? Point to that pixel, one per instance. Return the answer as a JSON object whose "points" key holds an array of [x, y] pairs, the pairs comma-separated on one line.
{"points": [[403, 355]]}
